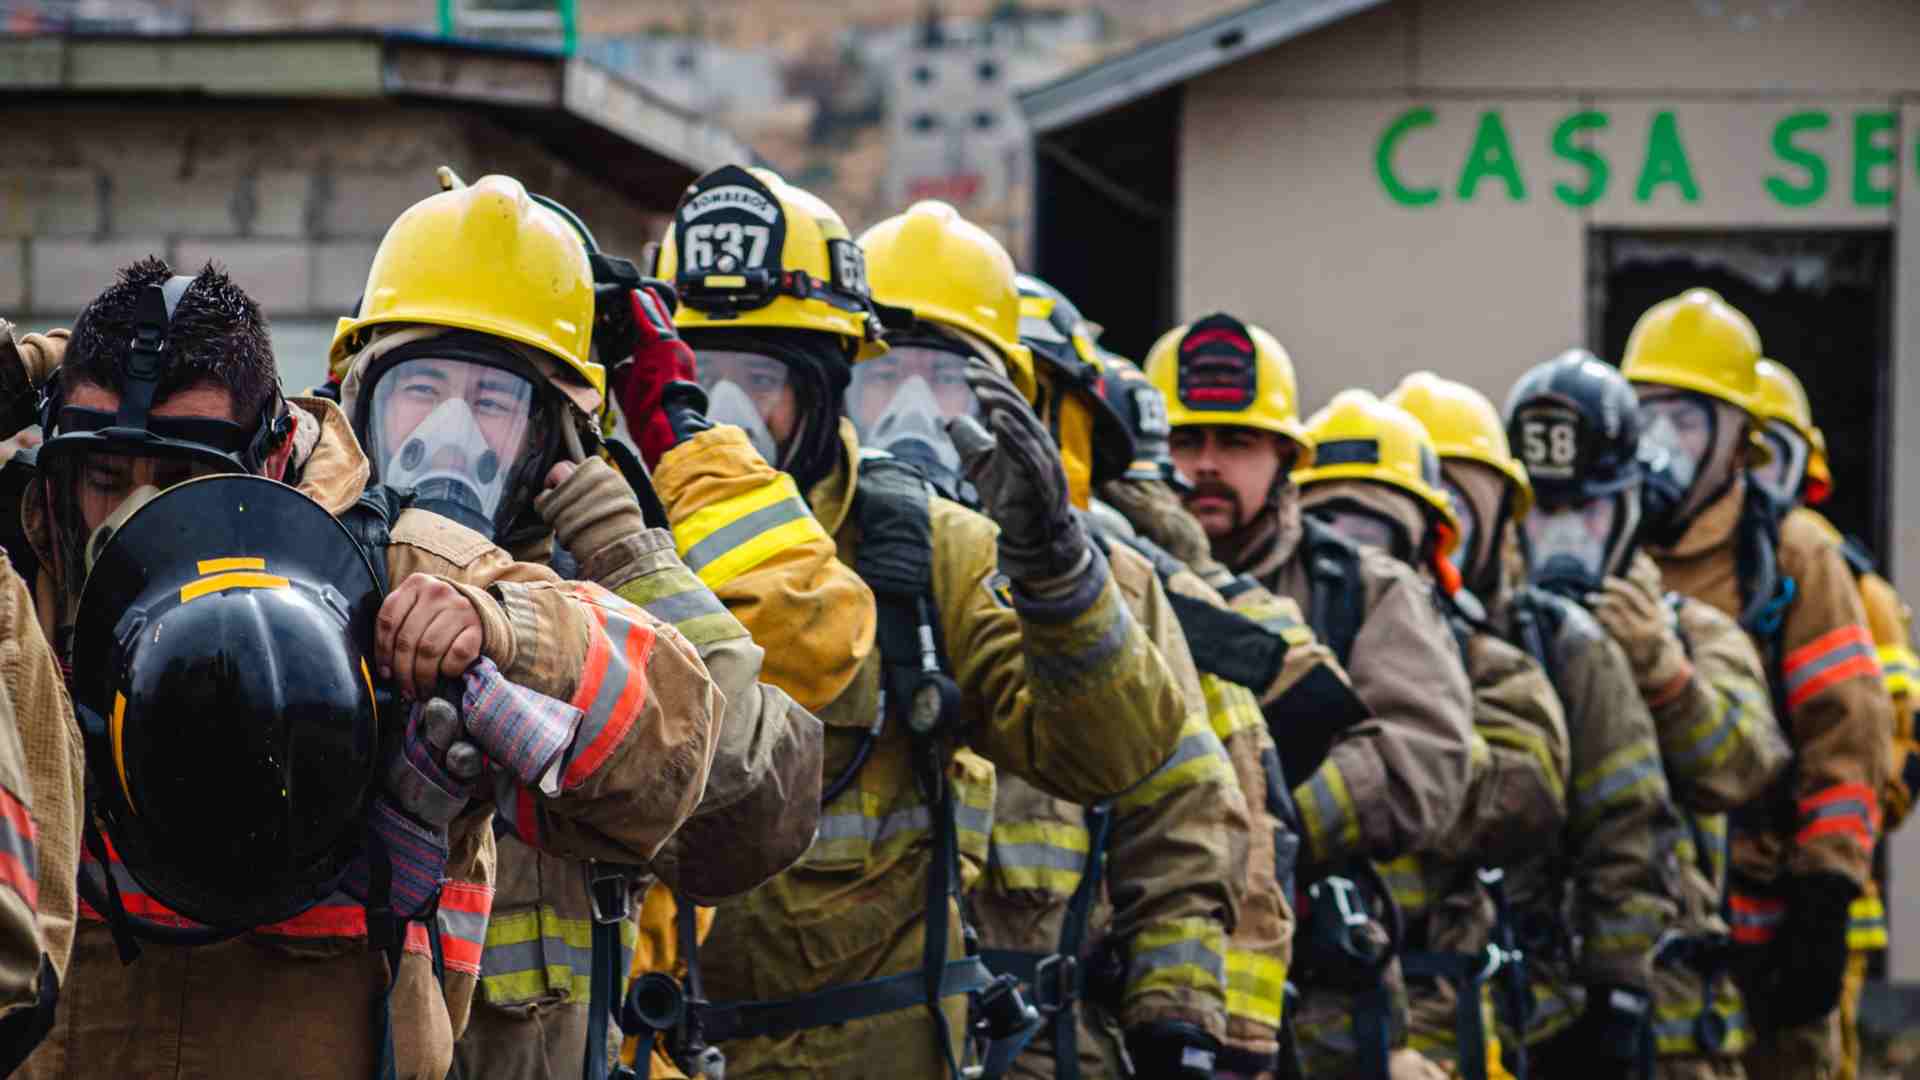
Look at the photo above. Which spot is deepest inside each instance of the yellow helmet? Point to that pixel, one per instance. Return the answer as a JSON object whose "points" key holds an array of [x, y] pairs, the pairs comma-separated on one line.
{"points": [[1781, 397], [1819, 475], [1697, 341], [747, 249], [944, 269], [1359, 437], [482, 257], [1463, 425], [1220, 371]]}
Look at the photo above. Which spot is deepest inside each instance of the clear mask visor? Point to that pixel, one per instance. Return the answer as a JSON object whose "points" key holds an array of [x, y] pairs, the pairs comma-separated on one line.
{"points": [[454, 432], [93, 491], [1570, 545], [1365, 528], [1469, 524], [744, 389], [1780, 478], [1676, 438], [901, 403]]}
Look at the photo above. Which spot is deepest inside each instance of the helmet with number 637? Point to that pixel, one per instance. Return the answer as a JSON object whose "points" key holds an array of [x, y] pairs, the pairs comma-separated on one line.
{"points": [[748, 250]]}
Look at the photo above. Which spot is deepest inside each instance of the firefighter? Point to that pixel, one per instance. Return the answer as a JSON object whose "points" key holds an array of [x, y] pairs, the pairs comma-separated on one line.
{"points": [[1374, 728], [593, 771], [1151, 882], [1796, 480], [45, 777], [556, 925], [1228, 650], [1802, 851], [852, 962], [1376, 481]]}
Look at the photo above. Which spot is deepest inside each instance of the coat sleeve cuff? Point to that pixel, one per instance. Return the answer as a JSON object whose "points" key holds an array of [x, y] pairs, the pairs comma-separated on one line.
{"points": [[500, 632]]}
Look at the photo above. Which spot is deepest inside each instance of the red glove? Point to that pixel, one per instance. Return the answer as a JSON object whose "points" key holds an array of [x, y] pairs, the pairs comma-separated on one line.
{"points": [[659, 357]]}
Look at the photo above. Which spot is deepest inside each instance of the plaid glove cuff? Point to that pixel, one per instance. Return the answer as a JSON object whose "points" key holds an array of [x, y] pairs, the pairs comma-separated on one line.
{"points": [[524, 732]]}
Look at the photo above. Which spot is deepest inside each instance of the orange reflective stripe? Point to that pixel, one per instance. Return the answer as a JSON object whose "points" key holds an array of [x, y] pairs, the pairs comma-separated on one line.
{"points": [[462, 918], [1839, 654], [19, 863], [613, 684], [1754, 920], [1840, 810]]}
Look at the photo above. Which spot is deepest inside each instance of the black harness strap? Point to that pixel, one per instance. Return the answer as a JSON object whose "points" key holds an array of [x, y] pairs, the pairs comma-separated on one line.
{"points": [[1467, 972]]}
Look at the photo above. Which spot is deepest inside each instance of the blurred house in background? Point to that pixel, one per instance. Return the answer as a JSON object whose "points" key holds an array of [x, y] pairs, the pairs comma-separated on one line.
{"points": [[286, 156]]}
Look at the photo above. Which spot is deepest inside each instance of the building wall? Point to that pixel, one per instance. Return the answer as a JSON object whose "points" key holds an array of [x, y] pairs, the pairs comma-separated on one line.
{"points": [[292, 201], [1285, 220]]}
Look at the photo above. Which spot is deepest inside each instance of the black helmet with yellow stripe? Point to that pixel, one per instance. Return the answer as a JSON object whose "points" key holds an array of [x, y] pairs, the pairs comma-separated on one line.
{"points": [[221, 680]]}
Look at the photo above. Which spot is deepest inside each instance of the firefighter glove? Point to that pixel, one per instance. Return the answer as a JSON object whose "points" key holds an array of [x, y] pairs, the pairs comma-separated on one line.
{"points": [[522, 731], [659, 358], [1811, 948], [1172, 1048], [590, 508], [1015, 467], [1643, 624]]}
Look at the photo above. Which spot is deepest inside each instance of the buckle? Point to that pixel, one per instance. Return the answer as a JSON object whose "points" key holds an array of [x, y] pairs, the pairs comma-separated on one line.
{"points": [[1056, 982], [608, 893]]}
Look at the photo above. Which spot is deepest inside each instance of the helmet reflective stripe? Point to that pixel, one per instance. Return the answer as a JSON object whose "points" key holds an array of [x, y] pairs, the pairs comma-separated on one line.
{"points": [[1272, 401]]}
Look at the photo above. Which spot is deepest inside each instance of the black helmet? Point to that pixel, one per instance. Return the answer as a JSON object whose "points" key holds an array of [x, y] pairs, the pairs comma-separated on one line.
{"points": [[1574, 422], [1062, 343], [224, 696], [1143, 408]]}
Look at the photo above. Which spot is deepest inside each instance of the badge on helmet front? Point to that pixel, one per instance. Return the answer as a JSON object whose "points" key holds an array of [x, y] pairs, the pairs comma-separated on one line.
{"points": [[729, 232], [1217, 366], [1549, 441]]}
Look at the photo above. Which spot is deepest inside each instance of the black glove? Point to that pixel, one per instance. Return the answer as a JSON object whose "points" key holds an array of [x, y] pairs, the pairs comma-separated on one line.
{"points": [[1015, 466], [1811, 949], [685, 407], [1172, 1048], [1616, 1028]]}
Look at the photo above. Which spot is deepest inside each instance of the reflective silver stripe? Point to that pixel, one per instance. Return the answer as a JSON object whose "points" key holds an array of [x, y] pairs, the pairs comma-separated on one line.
{"points": [[1703, 750], [1175, 954], [1039, 856], [536, 955], [465, 925], [1054, 667], [734, 533], [874, 830], [1841, 808], [1812, 668], [1619, 781], [685, 606]]}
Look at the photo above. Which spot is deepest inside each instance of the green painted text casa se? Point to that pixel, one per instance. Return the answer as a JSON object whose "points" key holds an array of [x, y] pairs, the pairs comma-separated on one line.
{"points": [[1659, 169]]}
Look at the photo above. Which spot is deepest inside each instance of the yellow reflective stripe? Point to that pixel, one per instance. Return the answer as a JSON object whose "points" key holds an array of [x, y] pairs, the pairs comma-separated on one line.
{"points": [[859, 822], [722, 541], [535, 952], [1179, 954], [1673, 1025], [1440, 1044], [221, 566], [1276, 618], [1620, 776], [1044, 855], [1867, 924], [1256, 986], [1231, 708], [1327, 810], [241, 579], [1533, 744], [1899, 667], [1406, 882], [1198, 758]]}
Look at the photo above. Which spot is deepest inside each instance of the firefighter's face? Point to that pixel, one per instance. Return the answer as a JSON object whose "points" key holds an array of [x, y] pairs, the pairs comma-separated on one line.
{"points": [[105, 480], [1233, 470]]}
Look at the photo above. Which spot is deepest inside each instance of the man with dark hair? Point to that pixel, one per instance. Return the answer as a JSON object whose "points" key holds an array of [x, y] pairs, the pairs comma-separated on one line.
{"points": [[170, 378]]}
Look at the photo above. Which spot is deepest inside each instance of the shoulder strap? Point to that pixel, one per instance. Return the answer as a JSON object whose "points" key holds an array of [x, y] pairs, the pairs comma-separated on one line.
{"points": [[1764, 591], [1336, 608], [370, 522], [1536, 618], [1859, 559]]}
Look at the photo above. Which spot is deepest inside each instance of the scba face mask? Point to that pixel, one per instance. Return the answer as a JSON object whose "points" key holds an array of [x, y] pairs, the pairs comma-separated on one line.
{"points": [[1572, 549], [1677, 435], [1780, 479], [461, 435], [901, 403], [743, 389]]}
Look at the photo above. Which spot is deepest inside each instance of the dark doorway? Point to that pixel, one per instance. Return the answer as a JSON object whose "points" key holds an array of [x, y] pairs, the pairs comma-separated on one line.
{"points": [[1822, 301], [1105, 191]]}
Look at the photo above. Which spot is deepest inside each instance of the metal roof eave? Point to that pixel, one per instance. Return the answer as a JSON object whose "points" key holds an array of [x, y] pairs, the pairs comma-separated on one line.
{"points": [[359, 64], [1156, 65]]}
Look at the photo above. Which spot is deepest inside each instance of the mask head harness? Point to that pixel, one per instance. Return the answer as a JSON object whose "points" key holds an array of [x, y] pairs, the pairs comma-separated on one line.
{"points": [[132, 428]]}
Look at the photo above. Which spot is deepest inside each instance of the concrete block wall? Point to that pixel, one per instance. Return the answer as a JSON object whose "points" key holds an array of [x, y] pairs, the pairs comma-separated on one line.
{"points": [[292, 200]]}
